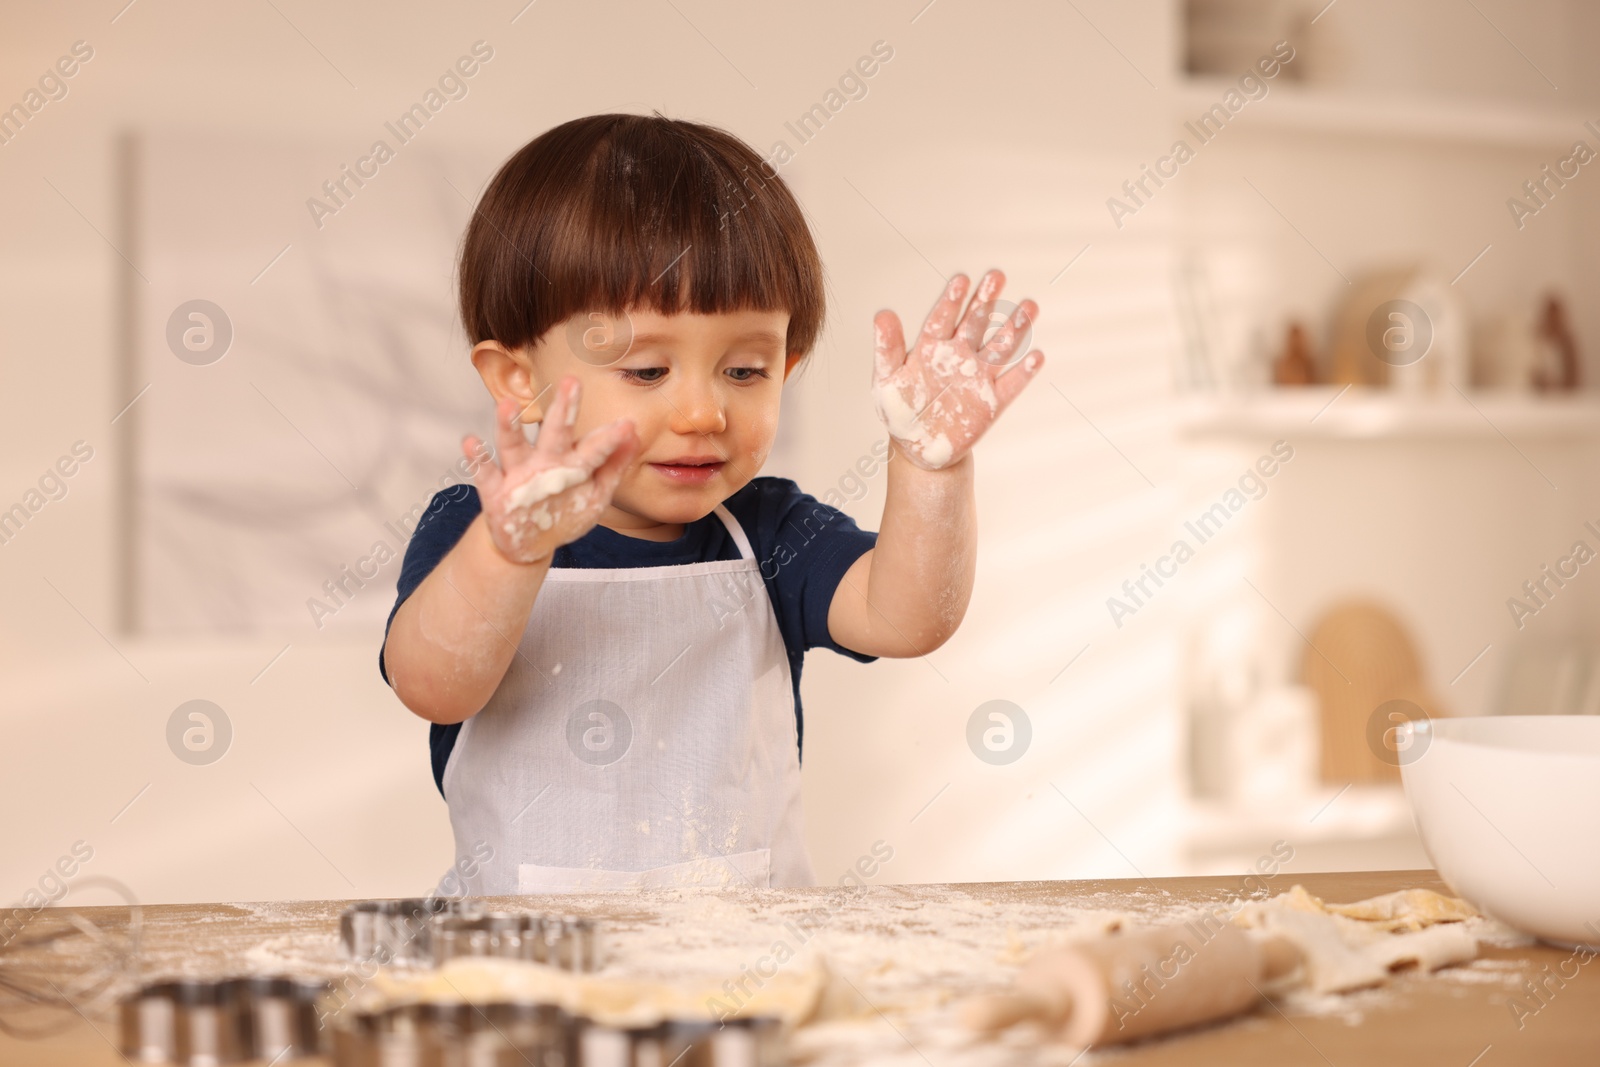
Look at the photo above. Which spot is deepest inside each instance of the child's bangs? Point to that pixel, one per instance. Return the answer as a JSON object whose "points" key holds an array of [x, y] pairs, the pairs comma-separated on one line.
{"points": [[614, 212], [670, 224]]}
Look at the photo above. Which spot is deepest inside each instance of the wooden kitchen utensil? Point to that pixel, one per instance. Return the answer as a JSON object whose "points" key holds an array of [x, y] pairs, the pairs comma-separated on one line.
{"points": [[1120, 988], [1361, 657], [1428, 347], [1350, 356]]}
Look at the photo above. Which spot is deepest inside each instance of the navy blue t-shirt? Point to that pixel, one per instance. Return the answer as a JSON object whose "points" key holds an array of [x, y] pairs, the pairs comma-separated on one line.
{"points": [[805, 546]]}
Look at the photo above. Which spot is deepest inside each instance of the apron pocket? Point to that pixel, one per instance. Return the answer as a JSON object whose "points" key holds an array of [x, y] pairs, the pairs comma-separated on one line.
{"points": [[753, 868]]}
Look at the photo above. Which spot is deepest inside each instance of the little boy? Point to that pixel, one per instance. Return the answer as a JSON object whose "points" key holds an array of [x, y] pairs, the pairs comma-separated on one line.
{"points": [[607, 633]]}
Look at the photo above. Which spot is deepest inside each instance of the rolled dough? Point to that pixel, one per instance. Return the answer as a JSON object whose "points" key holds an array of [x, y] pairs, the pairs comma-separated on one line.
{"points": [[795, 995], [1351, 946], [1408, 909]]}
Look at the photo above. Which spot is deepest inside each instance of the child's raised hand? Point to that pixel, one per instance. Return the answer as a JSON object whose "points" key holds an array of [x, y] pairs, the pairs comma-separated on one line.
{"points": [[939, 398], [551, 492]]}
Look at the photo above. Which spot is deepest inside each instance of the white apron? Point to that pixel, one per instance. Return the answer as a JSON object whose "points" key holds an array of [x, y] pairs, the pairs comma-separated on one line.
{"points": [[644, 735]]}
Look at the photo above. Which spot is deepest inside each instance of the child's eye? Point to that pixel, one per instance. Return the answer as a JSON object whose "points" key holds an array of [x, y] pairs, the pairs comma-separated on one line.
{"points": [[651, 375]]}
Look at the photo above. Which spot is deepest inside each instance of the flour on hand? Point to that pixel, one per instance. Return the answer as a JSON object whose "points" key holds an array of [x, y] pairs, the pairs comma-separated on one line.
{"points": [[546, 483], [941, 396]]}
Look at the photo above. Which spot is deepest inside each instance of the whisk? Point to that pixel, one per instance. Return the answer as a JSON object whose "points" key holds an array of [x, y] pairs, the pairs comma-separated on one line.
{"points": [[61, 965]]}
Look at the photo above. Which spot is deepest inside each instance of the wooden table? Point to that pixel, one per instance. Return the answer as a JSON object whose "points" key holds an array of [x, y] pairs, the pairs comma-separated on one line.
{"points": [[912, 949]]}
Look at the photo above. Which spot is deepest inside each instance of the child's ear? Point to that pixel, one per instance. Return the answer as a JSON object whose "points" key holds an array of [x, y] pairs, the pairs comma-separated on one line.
{"points": [[509, 373], [790, 361]]}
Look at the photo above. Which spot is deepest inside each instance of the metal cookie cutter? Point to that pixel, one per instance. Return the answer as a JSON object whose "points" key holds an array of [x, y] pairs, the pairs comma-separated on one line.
{"points": [[748, 1042], [488, 1035], [201, 1023], [394, 930], [567, 942], [571, 943]]}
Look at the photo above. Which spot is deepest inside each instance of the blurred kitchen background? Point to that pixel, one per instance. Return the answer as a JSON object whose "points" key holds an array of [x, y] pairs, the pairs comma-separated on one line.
{"points": [[1333, 283]]}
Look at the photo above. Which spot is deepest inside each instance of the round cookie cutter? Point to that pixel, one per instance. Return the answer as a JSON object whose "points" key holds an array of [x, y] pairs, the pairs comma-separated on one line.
{"points": [[394, 931], [430, 930], [755, 1041], [566, 941], [518, 1034], [506, 1034], [202, 1022]]}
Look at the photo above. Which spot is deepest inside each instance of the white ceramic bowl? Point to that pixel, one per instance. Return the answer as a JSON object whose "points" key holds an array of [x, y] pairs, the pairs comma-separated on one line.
{"points": [[1508, 807]]}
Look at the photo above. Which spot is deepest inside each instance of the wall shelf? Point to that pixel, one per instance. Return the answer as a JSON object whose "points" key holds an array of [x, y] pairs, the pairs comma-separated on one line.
{"points": [[1459, 120], [1375, 414], [1366, 826]]}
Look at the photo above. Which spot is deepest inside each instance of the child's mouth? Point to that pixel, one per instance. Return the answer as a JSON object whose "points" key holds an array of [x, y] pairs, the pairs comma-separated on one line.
{"points": [[688, 472]]}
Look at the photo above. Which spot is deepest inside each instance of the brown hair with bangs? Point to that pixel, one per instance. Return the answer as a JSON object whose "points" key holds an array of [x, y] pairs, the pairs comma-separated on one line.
{"points": [[608, 212]]}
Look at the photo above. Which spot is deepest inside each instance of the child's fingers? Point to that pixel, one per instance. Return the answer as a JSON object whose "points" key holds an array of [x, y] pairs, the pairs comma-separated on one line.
{"points": [[603, 442], [487, 476], [888, 345], [609, 473], [508, 438], [1010, 383], [1002, 347], [941, 322], [555, 432], [976, 320]]}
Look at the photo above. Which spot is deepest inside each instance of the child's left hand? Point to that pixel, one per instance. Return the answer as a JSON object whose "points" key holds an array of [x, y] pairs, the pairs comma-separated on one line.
{"points": [[943, 395]]}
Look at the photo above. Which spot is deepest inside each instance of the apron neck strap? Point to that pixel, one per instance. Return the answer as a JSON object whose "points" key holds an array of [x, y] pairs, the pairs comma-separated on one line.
{"points": [[736, 532]]}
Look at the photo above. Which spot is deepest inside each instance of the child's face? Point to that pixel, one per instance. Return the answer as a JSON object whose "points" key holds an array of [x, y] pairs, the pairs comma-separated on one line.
{"points": [[697, 387]]}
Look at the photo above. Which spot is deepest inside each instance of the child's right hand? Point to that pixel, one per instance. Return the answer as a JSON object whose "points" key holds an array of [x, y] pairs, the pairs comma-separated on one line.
{"points": [[549, 493]]}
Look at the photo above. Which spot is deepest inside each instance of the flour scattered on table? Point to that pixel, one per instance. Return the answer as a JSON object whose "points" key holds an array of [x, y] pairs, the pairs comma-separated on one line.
{"points": [[901, 959]]}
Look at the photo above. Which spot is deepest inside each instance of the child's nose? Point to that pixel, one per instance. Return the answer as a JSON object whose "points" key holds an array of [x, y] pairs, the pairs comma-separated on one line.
{"points": [[698, 409]]}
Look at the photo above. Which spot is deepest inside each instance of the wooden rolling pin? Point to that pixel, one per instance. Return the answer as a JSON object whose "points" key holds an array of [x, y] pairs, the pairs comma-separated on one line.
{"points": [[1127, 986]]}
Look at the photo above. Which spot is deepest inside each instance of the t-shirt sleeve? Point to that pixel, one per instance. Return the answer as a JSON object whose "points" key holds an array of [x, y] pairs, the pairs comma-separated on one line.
{"points": [[443, 523], [805, 548]]}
